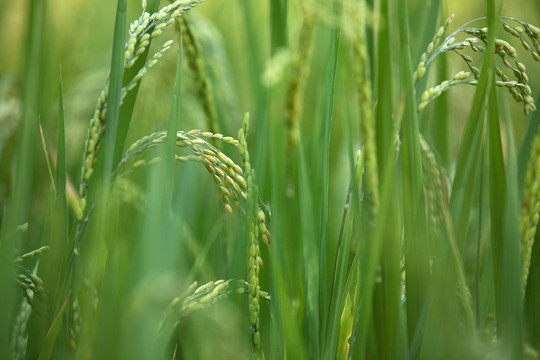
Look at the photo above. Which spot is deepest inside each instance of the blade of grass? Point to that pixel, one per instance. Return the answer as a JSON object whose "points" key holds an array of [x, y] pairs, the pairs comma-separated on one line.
{"points": [[278, 16], [46, 154], [327, 125], [439, 128], [115, 90], [369, 259], [55, 233], [55, 328], [375, 232], [337, 298], [61, 149], [309, 249], [384, 82], [107, 308], [512, 306], [497, 195], [469, 151], [504, 198], [415, 231], [287, 341], [261, 94], [153, 258], [17, 211]]}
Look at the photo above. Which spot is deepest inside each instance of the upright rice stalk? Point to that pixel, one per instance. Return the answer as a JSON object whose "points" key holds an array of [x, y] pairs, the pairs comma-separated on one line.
{"points": [[193, 52], [531, 209], [300, 68], [365, 100], [255, 219]]}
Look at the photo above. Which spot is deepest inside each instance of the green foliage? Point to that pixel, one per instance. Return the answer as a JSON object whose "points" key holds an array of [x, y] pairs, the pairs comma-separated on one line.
{"points": [[384, 203]]}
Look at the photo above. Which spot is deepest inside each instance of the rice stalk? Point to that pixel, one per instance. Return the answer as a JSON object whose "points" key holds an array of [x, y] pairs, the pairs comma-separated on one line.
{"points": [[365, 101], [531, 208], [256, 221], [300, 68], [193, 53]]}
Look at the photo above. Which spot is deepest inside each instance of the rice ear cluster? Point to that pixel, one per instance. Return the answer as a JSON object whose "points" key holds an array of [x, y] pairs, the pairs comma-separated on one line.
{"points": [[205, 295], [256, 222], [431, 50], [19, 340], [518, 87], [32, 286], [226, 173], [462, 77], [195, 298], [528, 34]]}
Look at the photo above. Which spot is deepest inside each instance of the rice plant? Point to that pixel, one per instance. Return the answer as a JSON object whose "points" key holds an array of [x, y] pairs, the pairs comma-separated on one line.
{"points": [[340, 179]]}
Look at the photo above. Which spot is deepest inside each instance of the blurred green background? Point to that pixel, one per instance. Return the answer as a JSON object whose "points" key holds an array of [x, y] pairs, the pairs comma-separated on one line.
{"points": [[238, 42]]}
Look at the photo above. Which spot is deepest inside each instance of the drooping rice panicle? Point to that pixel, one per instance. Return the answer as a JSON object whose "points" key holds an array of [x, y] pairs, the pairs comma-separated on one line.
{"points": [[226, 174], [518, 88]]}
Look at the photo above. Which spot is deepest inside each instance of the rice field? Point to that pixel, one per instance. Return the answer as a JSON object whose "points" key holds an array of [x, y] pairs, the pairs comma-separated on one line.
{"points": [[274, 179]]}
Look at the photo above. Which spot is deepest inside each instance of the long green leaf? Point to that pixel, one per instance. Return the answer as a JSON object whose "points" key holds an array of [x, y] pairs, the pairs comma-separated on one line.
{"points": [[278, 16], [309, 248], [105, 224], [504, 198], [18, 209], [415, 232], [327, 126], [61, 148], [50, 339], [115, 89]]}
